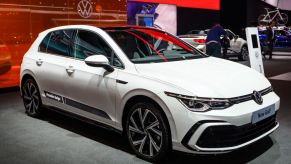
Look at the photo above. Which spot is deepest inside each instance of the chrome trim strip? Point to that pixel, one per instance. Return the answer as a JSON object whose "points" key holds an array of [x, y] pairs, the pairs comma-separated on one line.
{"points": [[233, 100]]}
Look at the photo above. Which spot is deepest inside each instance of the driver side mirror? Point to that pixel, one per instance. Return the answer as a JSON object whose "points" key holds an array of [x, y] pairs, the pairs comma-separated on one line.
{"points": [[99, 61], [236, 37]]}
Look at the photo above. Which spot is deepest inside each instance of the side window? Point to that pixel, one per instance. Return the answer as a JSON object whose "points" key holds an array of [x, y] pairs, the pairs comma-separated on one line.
{"points": [[133, 47], [230, 35], [88, 43], [60, 42], [43, 45]]}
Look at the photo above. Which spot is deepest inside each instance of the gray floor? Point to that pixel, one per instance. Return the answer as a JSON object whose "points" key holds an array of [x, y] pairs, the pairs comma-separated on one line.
{"points": [[59, 139]]}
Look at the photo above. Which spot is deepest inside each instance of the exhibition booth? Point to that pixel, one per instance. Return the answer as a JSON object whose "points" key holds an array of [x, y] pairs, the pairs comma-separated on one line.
{"points": [[24, 20]]}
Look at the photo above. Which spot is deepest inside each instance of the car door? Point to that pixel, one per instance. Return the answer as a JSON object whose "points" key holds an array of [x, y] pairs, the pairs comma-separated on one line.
{"points": [[91, 90], [54, 52], [281, 38], [234, 43]]}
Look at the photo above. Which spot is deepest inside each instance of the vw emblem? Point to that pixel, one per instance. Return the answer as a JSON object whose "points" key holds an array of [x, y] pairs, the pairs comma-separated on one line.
{"points": [[84, 8], [257, 97]]}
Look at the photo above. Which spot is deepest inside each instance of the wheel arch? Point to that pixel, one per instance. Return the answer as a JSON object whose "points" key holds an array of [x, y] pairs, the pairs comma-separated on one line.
{"points": [[27, 74], [243, 45], [144, 95]]}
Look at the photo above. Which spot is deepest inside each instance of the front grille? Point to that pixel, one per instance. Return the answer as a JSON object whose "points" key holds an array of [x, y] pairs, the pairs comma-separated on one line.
{"points": [[230, 135], [240, 99]]}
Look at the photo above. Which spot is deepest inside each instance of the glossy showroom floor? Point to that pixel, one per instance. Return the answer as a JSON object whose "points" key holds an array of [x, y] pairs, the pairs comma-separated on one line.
{"points": [[59, 139]]}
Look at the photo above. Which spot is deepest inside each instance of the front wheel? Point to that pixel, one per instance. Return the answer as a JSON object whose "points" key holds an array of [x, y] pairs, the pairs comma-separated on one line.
{"points": [[31, 98], [147, 131], [244, 54]]}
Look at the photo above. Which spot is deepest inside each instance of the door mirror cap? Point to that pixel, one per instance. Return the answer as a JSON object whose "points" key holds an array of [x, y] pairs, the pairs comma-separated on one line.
{"points": [[99, 61]]}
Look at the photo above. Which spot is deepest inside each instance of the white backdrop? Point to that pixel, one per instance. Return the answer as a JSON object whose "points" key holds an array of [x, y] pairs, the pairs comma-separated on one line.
{"points": [[282, 4]]}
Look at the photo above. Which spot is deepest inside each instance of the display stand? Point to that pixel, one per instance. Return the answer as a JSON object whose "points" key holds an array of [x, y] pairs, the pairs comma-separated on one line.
{"points": [[255, 55]]}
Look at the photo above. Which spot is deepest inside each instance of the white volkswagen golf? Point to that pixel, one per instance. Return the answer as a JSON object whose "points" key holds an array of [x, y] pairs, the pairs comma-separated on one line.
{"points": [[161, 93]]}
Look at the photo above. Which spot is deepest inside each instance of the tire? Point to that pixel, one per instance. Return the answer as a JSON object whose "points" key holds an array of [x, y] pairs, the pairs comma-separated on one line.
{"points": [[31, 98], [147, 131], [244, 54], [284, 19], [263, 22]]}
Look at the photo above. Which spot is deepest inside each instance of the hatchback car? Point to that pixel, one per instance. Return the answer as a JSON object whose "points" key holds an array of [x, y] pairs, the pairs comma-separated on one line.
{"points": [[159, 91]]}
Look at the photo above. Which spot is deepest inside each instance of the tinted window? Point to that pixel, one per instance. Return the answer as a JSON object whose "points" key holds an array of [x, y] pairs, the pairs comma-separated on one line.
{"points": [[89, 43], [44, 43], [59, 42], [230, 35], [280, 33], [147, 45]]}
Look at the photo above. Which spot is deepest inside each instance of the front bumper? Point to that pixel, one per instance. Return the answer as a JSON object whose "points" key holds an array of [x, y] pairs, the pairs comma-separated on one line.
{"points": [[217, 136], [220, 131]]}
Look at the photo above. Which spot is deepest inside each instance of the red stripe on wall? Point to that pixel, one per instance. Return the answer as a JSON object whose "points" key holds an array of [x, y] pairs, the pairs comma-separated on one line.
{"points": [[200, 4]]}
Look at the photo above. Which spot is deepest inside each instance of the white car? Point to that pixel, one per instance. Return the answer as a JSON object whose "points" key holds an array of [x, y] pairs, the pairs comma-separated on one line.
{"points": [[160, 92], [238, 46]]}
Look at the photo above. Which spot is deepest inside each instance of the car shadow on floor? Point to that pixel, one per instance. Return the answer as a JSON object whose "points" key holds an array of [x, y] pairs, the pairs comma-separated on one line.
{"points": [[80, 128], [117, 141]]}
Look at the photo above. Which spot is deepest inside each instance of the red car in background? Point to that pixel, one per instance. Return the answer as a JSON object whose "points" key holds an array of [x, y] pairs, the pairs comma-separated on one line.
{"points": [[22, 21], [5, 59]]}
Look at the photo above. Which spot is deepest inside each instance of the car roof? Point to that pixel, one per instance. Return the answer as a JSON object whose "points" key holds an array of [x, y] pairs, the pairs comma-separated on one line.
{"points": [[128, 27], [103, 28]]}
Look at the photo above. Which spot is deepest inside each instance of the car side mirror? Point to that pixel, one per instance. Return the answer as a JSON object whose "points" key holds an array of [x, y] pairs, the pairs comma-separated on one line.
{"points": [[236, 37], [99, 61]]}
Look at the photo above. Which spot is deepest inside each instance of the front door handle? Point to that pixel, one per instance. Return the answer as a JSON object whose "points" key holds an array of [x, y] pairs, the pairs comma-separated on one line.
{"points": [[70, 70], [39, 62]]}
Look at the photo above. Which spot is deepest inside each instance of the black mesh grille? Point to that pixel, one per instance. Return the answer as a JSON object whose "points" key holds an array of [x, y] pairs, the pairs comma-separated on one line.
{"points": [[230, 135]]}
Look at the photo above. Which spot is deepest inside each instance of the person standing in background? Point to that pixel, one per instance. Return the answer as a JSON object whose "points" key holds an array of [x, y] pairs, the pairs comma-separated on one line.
{"points": [[270, 38], [213, 45]]}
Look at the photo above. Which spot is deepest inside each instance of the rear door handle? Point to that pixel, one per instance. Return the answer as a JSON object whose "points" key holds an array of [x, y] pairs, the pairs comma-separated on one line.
{"points": [[39, 62], [70, 70]]}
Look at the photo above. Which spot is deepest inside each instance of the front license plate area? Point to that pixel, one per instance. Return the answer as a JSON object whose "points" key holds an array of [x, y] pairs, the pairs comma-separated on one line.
{"points": [[263, 113]]}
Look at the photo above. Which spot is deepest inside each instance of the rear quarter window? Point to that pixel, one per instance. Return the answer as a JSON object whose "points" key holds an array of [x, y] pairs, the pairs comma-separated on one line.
{"points": [[43, 45]]}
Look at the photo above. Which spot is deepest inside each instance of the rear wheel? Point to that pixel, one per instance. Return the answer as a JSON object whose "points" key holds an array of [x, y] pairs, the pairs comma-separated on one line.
{"points": [[31, 98], [147, 131], [244, 54]]}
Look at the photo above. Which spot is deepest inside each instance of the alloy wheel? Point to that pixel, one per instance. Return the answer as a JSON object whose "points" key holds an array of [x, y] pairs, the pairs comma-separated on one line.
{"points": [[31, 98], [245, 53], [145, 133]]}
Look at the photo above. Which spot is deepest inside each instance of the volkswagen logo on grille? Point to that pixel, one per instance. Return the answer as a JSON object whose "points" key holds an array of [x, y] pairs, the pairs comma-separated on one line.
{"points": [[257, 97], [84, 8]]}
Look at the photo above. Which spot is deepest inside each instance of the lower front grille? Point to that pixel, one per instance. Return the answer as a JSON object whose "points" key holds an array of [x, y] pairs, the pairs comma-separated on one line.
{"points": [[230, 135]]}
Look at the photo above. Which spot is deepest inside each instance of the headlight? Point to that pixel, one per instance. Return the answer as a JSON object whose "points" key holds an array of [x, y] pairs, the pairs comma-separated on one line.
{"points": [[199, 104]]}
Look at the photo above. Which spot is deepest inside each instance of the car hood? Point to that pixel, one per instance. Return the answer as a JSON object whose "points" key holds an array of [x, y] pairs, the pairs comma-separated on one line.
{"points": [[206, 77]]}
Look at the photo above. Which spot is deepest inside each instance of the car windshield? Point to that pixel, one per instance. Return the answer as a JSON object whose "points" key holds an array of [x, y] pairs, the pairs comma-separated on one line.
{"points": [[149, 45]]}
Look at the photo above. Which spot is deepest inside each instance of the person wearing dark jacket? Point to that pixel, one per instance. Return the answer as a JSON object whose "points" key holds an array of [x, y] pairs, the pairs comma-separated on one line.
{"points": [[213, 45], [270, 38]]}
